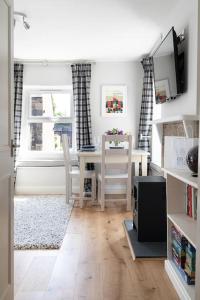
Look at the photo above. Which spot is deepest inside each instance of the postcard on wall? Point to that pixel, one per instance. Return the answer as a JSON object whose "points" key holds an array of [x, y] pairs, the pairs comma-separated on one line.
{"points": [[162, 91], [114, 100]]}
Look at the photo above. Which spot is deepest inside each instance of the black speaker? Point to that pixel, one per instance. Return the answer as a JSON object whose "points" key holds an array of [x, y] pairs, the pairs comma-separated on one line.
{"points": [[149, 212]]}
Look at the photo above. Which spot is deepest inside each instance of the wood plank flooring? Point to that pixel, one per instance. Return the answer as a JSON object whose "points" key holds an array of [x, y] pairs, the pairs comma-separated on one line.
{"points": [[94, 263]]}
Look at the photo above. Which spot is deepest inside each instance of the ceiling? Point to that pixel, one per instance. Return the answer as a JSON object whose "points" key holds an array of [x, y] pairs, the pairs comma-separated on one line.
{"points": [[99, 30]]}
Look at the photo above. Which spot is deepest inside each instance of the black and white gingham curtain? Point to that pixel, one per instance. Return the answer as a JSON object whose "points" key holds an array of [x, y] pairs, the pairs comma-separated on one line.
{"points": [[18, 94], [81, 78], [146, 113]]}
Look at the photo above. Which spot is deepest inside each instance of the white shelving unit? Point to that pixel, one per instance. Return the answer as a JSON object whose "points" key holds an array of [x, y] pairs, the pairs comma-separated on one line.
{"points": [[174, 119], [184, 176], [176, 215], [176, 210], [187, 120]]}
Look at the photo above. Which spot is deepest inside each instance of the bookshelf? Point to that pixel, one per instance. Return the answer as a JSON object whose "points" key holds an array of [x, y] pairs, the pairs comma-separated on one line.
{"points": [[187, 226]]}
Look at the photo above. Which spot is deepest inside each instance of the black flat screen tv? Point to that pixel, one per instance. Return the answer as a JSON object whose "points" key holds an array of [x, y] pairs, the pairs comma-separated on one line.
{"points": [[168, 61]]}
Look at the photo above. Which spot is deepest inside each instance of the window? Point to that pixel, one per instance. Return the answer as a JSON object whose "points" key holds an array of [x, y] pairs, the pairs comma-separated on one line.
{"points": [[47, 114]]}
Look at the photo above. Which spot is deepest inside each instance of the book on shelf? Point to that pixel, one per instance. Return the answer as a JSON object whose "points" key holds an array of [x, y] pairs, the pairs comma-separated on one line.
{"points": [[183, 256], [191, 201]]}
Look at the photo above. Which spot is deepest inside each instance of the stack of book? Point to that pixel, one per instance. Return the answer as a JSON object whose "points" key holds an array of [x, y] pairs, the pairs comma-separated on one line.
{"points": [[183, 256], [191, 201], [88, 148]]}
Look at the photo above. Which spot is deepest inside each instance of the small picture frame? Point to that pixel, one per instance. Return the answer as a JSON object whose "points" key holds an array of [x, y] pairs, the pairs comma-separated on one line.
{"points": [[162, 91], [114, 101]]}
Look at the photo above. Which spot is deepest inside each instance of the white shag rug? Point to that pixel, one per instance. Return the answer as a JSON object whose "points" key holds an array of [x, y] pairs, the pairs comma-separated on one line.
{"points": [[40, 221]]}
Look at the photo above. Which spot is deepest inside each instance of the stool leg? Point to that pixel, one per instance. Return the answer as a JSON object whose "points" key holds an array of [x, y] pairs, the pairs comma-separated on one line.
{"points": [[94, 188], [99, 192], [102, 197], [70, 187]]}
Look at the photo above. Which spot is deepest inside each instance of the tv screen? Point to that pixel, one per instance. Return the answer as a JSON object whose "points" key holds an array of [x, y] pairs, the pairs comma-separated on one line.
{"points": [[168, 69]]}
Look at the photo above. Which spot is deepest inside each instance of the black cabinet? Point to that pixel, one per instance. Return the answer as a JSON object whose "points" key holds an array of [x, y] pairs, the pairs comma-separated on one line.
{"points": [[149, 212]]}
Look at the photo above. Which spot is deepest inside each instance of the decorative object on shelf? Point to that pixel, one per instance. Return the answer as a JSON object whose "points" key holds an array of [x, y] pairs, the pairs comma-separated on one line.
{"points": [[115, 144], [192, 160], [176, 149], [114, 100]]}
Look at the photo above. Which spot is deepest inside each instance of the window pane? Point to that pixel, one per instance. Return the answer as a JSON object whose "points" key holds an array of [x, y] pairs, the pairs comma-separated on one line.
{"points": [[36, 106], [51, 105], [61, 105], [46, 136], [36, 136], [59, 129]]}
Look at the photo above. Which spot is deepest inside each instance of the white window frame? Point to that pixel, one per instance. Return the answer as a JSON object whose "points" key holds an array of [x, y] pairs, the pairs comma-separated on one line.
{"points": [[25, 153]]}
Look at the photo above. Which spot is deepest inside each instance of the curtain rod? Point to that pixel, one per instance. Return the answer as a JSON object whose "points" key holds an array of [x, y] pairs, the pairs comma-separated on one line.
{"points": [[46, 62]]}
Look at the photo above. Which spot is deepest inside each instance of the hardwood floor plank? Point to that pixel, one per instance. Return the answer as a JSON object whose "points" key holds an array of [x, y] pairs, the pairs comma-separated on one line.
{"points": [[38, 274], [64, 272], [22, 263], [30, 296], [94, 263], [88, 282], [61, 294]]}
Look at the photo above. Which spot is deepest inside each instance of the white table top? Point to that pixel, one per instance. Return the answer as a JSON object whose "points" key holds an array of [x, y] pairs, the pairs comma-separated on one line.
{"points": [[98, 153]]}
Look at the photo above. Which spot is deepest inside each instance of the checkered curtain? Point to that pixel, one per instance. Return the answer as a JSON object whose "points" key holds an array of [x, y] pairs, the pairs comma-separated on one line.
{"points": [[18, 93], [81, 78], [146, 113]]}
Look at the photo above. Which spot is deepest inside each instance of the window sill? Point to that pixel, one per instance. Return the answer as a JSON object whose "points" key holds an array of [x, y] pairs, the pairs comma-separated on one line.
{"points": [[40, 163], [42, 159]]}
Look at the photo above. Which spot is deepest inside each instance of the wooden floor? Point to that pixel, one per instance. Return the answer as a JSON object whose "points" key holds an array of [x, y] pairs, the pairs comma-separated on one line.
{"points": [[94, 263]]}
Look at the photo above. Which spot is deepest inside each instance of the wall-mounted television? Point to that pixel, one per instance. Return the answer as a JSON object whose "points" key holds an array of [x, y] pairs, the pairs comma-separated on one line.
{"points": [[168, 60]]}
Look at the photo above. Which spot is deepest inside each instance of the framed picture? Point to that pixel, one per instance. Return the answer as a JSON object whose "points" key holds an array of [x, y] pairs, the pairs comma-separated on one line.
{"points": [[114, 100], [162, 91]]}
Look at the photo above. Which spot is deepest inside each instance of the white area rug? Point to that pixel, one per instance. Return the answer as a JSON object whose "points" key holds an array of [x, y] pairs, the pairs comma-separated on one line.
{"points": [[40, 221]]}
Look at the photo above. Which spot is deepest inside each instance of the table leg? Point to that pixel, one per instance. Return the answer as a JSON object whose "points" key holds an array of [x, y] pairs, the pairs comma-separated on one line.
{"points": [[82, 169], [144, 165]]}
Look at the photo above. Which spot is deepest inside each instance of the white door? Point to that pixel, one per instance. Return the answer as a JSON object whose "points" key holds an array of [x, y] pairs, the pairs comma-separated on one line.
{"points": [[6, 202]]}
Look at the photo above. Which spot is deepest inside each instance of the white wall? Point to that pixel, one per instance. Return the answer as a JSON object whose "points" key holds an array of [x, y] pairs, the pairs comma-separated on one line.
{"points": [[184, 16], [128, 73], [35, 74], [40, 180], [51, 179]]}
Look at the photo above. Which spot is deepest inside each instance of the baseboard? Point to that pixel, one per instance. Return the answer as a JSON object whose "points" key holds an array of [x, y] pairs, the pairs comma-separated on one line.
{"points": [[39, 190], [177, 281], [50, 190]]}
